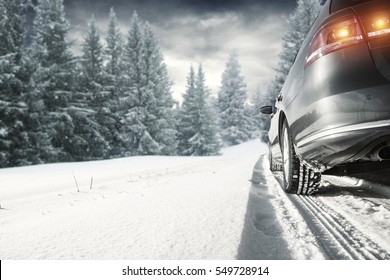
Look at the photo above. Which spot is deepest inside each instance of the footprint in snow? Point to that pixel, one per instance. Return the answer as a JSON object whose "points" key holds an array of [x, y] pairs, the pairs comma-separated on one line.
{"points": [[266, 224]]}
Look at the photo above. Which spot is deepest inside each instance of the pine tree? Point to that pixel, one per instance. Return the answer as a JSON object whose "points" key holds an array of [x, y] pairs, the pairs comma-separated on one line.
{"points": [[89, 103], [235, 125], [114, 83], [114, 47], [147, 101], [132, 101], [92, 60], [185, 126], [13, 139], [160, 121], [197, 129], [52, 84], [11, 24], [298, 26]]}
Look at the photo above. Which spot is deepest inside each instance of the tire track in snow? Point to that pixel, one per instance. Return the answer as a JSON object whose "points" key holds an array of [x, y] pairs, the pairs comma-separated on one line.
{"points": [[354, 244], [338, 238]]}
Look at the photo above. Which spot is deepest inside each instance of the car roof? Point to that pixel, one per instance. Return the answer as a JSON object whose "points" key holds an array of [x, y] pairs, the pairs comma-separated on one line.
{"points": [[338, 5]]}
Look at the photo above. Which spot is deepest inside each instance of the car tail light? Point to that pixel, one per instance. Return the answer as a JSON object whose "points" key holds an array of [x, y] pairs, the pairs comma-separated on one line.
{"points": [[380, 26], [334, 36]]}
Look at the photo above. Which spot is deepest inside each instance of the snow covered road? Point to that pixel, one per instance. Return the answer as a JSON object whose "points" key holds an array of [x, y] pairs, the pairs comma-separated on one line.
{"points": [[138, 208], [185, 208]]}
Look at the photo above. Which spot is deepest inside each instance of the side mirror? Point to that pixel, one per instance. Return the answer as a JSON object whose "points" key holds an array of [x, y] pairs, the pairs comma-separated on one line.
{"points": [[267, 110]]}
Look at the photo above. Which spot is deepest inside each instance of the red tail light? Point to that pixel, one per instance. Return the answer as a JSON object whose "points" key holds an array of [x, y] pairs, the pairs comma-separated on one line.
{"points": [[380, 26], [334, 36]]}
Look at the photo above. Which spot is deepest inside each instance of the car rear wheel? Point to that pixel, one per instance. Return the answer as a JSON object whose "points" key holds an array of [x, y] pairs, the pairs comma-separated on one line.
{"points": [[298, 178]]}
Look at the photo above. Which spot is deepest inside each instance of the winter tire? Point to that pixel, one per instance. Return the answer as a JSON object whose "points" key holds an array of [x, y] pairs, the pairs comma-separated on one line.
{"points": [[272, 163], [297, 177]]}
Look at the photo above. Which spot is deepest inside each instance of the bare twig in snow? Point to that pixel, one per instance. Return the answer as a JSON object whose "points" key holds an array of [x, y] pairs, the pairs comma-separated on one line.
{"points": [[90, 187], [77, 185]]}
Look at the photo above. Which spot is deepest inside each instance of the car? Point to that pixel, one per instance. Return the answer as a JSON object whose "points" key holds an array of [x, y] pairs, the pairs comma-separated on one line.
{"points": [[332, 116]]}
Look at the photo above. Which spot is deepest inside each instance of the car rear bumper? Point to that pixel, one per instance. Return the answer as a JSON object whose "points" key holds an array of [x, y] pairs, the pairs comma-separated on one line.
{"points": [[383, 125], [345, 144], [349, 127]]}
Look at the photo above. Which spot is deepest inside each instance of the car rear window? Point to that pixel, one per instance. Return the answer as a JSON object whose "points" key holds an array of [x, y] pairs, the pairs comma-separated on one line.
{"points": [[338, 5]]}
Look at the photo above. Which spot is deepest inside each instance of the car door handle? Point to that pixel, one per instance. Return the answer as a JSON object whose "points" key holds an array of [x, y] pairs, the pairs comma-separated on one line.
{"points": [[280, 97]]}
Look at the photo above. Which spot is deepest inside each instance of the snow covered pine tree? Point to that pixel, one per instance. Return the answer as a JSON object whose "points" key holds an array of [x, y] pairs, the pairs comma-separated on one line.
{"points": [[13, 111], [147, 103], [197, 128], [298, 26], [52, 84], [113, 55], [161, 121], [89, 101], [235, 124]]}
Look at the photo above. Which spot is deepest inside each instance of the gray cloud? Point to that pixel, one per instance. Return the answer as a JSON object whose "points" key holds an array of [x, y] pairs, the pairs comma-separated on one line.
{"points": [[193, 32], [210, 39], [157, 9]]}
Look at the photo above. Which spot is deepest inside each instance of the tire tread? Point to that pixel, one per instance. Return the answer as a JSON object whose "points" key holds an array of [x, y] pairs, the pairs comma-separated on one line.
{"points": [[304, 180]]}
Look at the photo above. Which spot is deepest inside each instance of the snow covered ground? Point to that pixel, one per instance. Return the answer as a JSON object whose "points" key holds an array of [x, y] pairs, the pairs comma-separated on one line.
{"points": [[173, 208], [138, 208]]}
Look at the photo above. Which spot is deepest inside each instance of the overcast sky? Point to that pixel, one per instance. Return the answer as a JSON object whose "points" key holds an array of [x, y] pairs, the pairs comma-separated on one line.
{"points": [[194, 31]]}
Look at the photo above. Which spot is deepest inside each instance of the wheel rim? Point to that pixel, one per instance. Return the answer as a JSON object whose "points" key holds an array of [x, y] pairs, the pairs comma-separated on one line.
{"points": [[286, 156]]}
